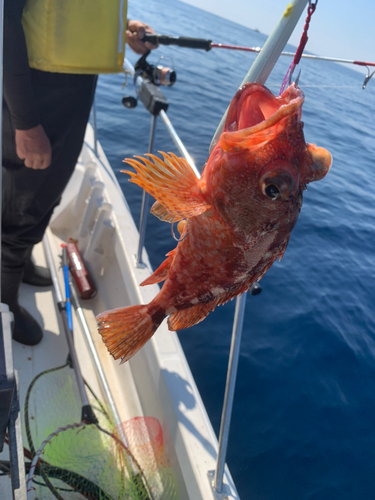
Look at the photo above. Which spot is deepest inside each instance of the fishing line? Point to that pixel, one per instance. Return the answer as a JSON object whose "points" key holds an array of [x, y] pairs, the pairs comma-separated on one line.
{"points": [[174, 235], [297, 57], [300, 85], [200, 43]]}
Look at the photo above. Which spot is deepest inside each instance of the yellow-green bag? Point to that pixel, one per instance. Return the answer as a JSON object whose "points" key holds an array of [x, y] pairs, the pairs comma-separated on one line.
{"points": [[75, 36]]}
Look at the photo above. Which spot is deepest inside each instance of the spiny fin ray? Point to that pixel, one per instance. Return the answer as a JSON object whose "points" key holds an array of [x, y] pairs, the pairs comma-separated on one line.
{"points": [[172, 182], [162, 271], [191, 316], [125, 330]]}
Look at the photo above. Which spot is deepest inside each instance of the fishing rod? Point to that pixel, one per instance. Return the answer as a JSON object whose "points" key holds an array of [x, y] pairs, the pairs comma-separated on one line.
{"points": [[200, 43]]}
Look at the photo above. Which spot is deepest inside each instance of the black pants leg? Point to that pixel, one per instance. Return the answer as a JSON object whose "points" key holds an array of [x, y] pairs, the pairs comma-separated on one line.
{"points": [[29, 196]]}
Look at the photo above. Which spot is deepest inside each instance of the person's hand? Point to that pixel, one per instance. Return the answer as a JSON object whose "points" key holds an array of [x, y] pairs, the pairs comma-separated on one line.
{"points": [[33, 147], [134, 34]]}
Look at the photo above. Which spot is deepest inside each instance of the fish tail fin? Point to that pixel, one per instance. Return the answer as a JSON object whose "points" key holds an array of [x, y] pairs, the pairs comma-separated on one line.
{"points": [[125, 330]]}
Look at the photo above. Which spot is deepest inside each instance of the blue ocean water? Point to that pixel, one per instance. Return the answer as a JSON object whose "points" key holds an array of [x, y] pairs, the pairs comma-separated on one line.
{"points": [[303, 424]]}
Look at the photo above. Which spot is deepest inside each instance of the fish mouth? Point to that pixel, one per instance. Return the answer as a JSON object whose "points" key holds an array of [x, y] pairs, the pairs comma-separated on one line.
{"points": [[258, 114]]}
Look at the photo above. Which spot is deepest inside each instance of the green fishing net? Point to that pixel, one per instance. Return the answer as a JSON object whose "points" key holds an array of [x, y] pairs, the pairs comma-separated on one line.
{"points": [[73, 460]]}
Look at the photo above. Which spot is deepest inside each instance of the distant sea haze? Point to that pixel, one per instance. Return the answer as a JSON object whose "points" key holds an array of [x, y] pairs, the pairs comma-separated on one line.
{"points": [[303, 418]]}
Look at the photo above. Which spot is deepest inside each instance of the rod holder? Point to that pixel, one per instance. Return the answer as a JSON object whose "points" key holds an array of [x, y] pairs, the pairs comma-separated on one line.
{"points": [[85, 188], [152, 98], [94, 203]]}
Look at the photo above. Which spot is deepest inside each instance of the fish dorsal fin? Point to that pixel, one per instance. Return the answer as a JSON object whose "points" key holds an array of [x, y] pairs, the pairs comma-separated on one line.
{"points": [[162, 271], [172, 183]]}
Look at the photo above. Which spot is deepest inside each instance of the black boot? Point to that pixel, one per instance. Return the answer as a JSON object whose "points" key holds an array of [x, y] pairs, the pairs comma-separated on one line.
{"points": [[35, 275], [26, 329]]}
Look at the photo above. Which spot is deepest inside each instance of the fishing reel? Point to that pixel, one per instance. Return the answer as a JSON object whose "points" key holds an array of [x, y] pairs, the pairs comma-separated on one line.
{"points": [[153, 76], [158, 75]]}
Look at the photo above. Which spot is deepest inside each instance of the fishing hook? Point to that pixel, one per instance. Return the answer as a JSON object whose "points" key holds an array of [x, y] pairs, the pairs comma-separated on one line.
{"points": [[175, 237], [368, 77], [291, 76]]}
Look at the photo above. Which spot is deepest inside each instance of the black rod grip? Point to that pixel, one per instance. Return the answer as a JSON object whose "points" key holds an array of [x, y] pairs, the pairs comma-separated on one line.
{"points": [[181, 41]]}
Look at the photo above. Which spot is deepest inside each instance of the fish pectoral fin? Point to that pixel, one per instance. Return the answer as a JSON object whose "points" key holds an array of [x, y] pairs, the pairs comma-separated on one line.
{"points": [[162, 213], [172, 182], [190, 316], [161, 272]]}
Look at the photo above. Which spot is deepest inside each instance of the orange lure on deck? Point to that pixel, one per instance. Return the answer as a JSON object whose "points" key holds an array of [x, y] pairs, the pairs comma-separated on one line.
{"points": [[238, 216]]}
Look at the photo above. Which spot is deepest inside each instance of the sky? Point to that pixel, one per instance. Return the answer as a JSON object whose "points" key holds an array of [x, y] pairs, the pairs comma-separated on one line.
{"points": [[338, 28]]}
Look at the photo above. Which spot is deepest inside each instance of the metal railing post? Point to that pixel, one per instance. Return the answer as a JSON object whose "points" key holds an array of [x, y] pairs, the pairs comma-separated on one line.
{"points": [[179, 144], [145, 202], [259, 72], [229, 390]]}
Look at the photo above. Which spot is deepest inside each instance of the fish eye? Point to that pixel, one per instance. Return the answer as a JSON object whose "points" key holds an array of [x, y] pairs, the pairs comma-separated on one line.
{"points": [[272, 191], [278, 180]]}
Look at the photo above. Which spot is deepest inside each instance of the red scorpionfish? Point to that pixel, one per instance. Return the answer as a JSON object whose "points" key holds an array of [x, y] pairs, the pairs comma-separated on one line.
{"points": [[234, 221]]}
